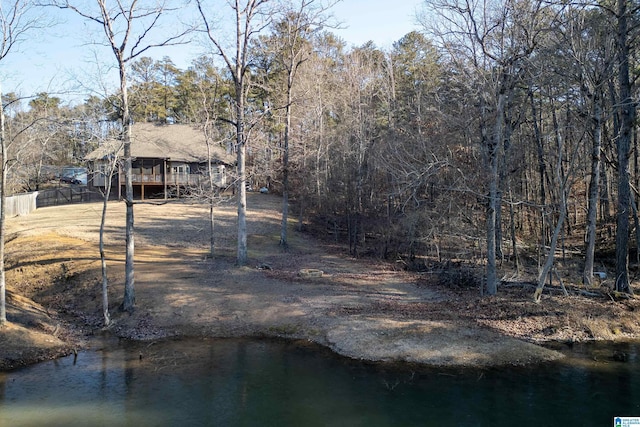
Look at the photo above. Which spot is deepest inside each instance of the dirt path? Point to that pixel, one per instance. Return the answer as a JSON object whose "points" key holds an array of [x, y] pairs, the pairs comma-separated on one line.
{"points": [[179, 291]]}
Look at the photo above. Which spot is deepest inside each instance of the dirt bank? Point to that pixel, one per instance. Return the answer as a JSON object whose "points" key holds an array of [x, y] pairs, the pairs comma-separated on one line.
{"points": [[359, 308]]}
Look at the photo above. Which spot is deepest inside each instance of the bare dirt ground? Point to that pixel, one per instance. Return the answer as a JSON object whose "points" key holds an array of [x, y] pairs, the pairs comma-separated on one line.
{"points": [[362, 309]]}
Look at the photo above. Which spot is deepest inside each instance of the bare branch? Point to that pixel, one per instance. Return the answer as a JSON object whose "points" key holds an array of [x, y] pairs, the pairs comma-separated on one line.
{"points": [[117, 25], [16, 21]]}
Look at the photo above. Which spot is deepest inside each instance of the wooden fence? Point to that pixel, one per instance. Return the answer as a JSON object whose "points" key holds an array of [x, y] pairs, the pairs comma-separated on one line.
{"points": [[21, 204], [24, 204]]}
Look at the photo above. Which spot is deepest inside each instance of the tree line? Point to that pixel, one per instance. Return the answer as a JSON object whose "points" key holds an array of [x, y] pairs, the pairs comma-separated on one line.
{"points": [[502, 134]]}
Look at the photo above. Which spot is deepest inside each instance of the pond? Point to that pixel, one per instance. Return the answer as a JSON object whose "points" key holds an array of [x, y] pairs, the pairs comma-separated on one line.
{"points": [[239, 382]]}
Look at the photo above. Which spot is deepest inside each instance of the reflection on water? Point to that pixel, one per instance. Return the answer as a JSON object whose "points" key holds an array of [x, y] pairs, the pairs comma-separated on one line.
{"points": [[267, 383]]}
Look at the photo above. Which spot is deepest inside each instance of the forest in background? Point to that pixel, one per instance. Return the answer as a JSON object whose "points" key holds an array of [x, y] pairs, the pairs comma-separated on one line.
{"points": [[501, 135]]}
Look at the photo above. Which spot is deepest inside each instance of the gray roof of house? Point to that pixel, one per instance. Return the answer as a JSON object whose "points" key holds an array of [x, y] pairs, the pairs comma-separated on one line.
{"points": [[184, 143]]}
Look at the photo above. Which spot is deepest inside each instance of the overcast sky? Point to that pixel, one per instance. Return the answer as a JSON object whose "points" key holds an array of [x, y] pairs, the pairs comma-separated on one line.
{"points": [[56, 58]]}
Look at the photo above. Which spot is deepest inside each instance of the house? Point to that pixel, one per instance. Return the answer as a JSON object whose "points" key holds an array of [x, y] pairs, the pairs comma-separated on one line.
{"points": [[167, 159]]}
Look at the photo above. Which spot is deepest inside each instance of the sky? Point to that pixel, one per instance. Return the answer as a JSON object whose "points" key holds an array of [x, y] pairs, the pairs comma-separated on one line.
{"points": [[58, 61], [382, 21]]}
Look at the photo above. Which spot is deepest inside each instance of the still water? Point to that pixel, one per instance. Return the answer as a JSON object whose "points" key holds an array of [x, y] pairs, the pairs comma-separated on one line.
{"points": [[276, 383]]}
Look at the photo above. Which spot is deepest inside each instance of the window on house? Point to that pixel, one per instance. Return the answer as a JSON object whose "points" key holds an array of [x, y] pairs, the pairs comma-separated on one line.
{"points": [[181, 170]]}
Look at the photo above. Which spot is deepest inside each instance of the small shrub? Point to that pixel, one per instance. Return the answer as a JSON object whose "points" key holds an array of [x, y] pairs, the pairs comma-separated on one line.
{"points": [[453, 276]]}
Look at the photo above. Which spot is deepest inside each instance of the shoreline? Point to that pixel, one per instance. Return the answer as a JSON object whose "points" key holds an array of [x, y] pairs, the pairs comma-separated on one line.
{"points": [[360, 308], [371, 340]]}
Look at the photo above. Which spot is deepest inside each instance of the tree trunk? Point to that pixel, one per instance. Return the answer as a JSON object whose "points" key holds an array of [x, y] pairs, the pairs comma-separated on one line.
{"points": [[212, 197], [514, 241], [493, 205], [103, 258], [636, 223], [548, 265], [605, 204], [542, 166], [3, 177], [285, 164], [594, 193], [627, 113], [129, 300], [242, 176], [492, 274], [103, 264]]}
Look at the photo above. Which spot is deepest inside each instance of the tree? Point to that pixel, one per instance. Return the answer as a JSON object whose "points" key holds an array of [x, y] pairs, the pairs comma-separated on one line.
{"points": [[17, 20], [251, 17], [153, 89], [168, 74], [626, 112], [417, 153], [360, 114], [108, 173], [44, 139], [564, 180], [592, 49], [290, 45], [203, 89], [128, 27], [320, 91], [145, 105], [494, 39]]}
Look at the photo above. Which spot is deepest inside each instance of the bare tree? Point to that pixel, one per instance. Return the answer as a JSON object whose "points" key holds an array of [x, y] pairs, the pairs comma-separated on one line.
{"points": [[493, 40], [291, 48], [251, 17], [564, 181], [128, 28], [592, 49], [17, 19], [209, 96], [109, 171]]}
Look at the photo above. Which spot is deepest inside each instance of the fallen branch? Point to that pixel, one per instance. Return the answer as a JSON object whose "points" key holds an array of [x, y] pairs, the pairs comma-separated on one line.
{"points": [[619, 295], [590, 294]]}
